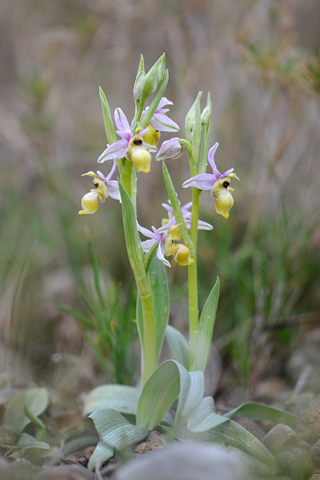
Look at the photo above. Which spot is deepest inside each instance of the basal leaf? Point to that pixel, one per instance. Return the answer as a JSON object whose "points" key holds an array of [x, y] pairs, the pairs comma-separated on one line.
{"points": [[35, 400], [27, 441], [206, 324], [231, 434], [177, 345], [159, 393], [163, 387], [121, 398], [191, 392], [114, 432], [258, 411], [204, 416]]}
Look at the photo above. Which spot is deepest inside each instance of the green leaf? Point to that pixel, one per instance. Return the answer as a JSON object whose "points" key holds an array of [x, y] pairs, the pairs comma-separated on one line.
{"points": [[160, 299], [258, 411], [159, 393], [191, 393], [235, 437], [167, 382], [206, 324], [114, 432], [27, 441], [204, 416], [133, 243], [178, 346], [122, 398], [176, 208], [35, 401], [149, 256], [108, 123]]}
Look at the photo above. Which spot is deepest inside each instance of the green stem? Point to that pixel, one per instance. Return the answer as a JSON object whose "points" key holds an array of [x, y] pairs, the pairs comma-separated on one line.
{"points": [[125, 177], [148, 329], [192, 276], [149, 351]]}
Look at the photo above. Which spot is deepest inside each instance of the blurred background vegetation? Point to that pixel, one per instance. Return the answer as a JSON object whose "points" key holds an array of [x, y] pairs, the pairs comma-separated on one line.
{"points": [[260, 61]]}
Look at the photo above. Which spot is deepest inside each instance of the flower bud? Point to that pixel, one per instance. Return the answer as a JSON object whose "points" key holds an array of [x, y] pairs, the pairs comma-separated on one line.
{"points": [[170, 149], [181, 254], [137, 89], [221, 192], [206, 113], [152, 79], [89, 203]]}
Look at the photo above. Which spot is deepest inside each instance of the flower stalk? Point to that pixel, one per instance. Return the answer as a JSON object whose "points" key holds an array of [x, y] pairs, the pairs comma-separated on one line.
{"points": [[130, 146]]}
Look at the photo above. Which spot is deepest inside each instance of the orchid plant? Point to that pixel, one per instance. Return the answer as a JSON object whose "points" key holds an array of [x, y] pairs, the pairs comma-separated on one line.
{"points": [[181, 378]]}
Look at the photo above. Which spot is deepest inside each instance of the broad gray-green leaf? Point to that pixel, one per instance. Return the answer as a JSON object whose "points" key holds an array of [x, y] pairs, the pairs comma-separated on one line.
{"points": [[122, 398], [158, 394], [160, 299], [191, 392], [27, 441], [258, 411], [177, 345], [167, 382], [238, 438], [114, 432], [35, 400], [206, 324], [204, 416]]}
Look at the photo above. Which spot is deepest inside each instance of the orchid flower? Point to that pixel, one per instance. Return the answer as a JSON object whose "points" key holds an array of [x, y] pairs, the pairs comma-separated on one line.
{"points": [[160, 121], [131, 146], [217, 182], [161, 236], [103, 187], [187, 216]]}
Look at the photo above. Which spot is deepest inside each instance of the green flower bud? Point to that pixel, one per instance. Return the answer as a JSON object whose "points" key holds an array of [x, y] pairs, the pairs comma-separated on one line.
{"points": [[152, 79], [206, 113]]}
